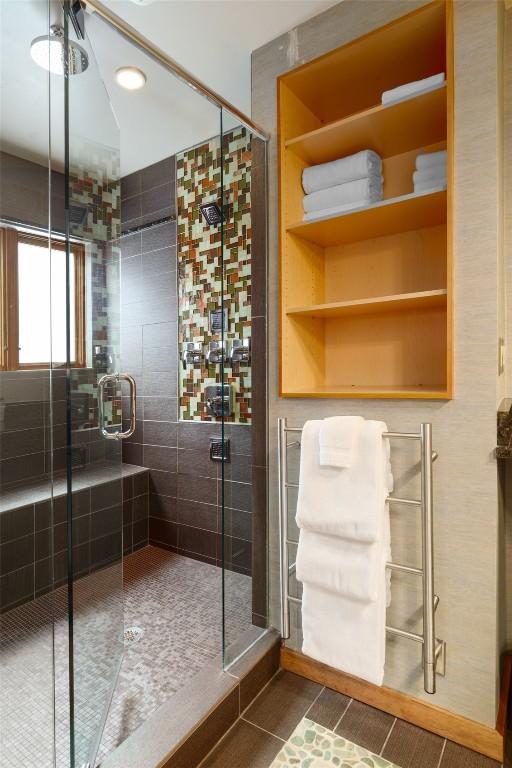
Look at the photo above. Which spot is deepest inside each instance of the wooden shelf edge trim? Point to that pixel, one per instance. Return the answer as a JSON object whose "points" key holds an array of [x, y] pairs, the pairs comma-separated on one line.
{"points": [[468, 733], [395, 394], [378, 303], [375, 110]]}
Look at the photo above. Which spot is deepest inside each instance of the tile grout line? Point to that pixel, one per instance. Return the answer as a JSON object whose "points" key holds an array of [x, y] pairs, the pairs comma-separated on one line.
{"points": [[260, 728], [442, 754], [260, 692], [322, 689], [343, 715], [387, 737]]}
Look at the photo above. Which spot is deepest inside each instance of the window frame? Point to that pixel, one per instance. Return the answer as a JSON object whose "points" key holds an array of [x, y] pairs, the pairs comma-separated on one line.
{"points": [[9, 314]]}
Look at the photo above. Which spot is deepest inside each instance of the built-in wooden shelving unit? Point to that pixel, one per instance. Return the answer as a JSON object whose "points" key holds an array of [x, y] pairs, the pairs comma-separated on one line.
{"points": [[366, 295]]}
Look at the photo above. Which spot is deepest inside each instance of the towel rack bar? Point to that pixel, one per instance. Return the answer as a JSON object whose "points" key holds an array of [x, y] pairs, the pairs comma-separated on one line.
{"points": [[432, 648]]}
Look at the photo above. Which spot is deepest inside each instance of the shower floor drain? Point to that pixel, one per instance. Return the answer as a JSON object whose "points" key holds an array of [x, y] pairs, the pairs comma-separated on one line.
{"points": [[132, 635]]}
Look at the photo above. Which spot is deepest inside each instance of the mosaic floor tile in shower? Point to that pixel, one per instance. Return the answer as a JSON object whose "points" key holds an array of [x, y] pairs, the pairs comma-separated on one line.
{"points": [[176, 601]]}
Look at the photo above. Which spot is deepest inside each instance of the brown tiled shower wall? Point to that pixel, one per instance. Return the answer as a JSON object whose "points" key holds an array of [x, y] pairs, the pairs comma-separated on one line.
{"points": [[184, 483]]}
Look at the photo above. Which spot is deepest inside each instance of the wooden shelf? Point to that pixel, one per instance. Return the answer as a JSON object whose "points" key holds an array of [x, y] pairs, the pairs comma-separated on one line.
{"points": [[398, 214], [398, 303], [411, 392], [389, 130]]}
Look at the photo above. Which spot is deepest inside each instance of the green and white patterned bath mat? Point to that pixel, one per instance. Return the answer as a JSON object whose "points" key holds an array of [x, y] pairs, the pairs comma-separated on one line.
{"points": [[313, 746]]}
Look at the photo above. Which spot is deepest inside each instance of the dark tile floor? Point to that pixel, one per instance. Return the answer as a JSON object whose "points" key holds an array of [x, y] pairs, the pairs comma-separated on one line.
{"points": [[255, 740]]}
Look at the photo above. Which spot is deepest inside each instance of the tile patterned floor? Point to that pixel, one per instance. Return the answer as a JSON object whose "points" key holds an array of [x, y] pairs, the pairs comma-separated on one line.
{"points": [[175, 600], [257, 738]]}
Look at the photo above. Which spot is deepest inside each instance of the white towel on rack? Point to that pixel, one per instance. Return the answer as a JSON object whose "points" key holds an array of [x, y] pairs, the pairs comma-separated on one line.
{"points": [[367, 190], [357, 166], [346, 634], [347, 568], [412, 89], [347, 503], [338, 439]]}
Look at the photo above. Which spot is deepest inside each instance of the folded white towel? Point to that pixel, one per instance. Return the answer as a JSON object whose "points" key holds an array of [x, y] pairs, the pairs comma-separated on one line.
{"points": [[338, 437], [358, 166], [347, 568], [431, 159], [346, 634], [347, 503], [436, 174], [363, 189], [410, 89], [430, 186]]}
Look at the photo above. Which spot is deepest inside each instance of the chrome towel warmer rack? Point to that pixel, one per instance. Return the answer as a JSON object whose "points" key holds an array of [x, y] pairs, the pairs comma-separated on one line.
{"points": [[432, 648]]}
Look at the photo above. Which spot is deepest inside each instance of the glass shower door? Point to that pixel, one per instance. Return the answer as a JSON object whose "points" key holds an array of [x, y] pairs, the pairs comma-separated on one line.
{"points": [[94, 392]]}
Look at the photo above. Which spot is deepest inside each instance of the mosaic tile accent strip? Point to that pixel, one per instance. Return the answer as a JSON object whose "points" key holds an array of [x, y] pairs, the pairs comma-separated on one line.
{"points": [[202, 275], [313, 746]]}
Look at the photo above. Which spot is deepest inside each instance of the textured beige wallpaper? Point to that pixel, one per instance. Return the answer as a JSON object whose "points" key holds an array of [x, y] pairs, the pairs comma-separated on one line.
{"points": [[466, 503]]}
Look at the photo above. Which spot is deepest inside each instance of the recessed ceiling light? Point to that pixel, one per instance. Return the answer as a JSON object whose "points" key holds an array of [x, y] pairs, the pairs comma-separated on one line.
{"points": [[130, 78]]}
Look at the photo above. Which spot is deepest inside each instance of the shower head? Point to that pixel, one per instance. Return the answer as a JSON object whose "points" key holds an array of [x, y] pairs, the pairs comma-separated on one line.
{"points": [[48, 52]]}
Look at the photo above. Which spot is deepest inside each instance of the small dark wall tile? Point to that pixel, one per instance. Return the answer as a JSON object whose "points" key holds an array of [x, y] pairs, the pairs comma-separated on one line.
{"points": [[60, 537], [158, 173], [161, 433], [268, 712], [240, 437], [455, 756], [140, 508], [207, 735], [17, 586], [131, 185], [127, 488], [160, 334], [162, 260], [163, 531], [131, 245], [196, 435], [163, 507], [22, 415], [22, 468], [82, 559], [365, 725], [127, 512], [131, 209], [157, 201], [81, 502], [140, 483], [43, 576], [197, 462], [198, 515], [411, 747], [328, 708], [160, 236], [239, 468], [160, 383], [43, 544], [197, 540], [258, 676], [106, 521], [237, 554], [107, 549], [21, 442], [106, 495], [165, 483], [16, 523], [127, 539], [236, 495], [160, 457], [43, 515], [160, 408], [161, 359], [140, 533], [132, 454], [245, 745], [138, 435], [201, 489], [237, 523], [16, 554]]}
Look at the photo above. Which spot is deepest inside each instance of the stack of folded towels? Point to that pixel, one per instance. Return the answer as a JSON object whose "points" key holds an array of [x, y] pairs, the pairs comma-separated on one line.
{"points": [[430, 171], [350, 182], [412, 89], [344, 543]]}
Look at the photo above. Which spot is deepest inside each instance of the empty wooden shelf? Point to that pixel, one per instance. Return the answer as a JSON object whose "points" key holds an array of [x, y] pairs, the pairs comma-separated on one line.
{"points": [[366, 294]]}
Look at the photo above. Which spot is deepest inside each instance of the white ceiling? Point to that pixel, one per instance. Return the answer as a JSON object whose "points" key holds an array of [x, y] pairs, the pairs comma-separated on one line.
{"points": [[211, 38]]}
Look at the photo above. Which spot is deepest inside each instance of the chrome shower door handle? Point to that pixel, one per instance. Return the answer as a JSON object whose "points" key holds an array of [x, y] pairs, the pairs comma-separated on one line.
{"points": [[115, 378]]}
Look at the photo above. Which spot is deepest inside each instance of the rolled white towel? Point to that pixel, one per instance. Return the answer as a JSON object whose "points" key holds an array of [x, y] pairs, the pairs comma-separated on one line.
{"points": [[363, 190], [357, 166], [430, 186], [435, 175], [410, 89], [431, 159]]}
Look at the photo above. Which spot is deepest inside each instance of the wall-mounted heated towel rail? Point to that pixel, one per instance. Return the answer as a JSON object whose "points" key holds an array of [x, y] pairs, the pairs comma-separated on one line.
{"points": [[432, 648]]}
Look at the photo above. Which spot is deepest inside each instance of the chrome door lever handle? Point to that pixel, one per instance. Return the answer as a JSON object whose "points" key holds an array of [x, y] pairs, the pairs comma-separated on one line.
{"points": [[115, 378]]}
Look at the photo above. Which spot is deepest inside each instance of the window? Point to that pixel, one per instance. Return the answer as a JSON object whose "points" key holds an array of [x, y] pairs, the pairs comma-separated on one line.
{"points": [[33, 315]]}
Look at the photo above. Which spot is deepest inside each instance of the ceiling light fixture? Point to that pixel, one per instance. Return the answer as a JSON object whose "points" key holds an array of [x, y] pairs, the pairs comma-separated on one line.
{"points": [[130, 78], [48, 52]]}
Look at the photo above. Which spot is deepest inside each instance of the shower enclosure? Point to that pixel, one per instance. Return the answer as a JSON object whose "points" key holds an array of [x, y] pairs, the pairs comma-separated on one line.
{"points": [[132, 383]]}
